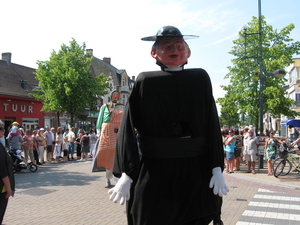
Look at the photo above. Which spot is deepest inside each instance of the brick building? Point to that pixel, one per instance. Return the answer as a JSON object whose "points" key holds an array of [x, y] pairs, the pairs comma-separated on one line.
{"points": [[16, 82]]}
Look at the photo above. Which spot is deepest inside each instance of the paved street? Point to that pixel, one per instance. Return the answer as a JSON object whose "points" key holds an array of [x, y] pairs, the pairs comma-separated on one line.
{"points": [[261, 199], [68, 193]]}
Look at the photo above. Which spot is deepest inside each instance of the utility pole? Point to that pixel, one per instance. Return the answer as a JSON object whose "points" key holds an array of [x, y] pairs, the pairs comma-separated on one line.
{"points": [[261, 74]]}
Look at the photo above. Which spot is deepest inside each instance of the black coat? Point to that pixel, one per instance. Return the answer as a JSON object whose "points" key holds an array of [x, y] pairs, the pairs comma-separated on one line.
{"points": [[176, 120]]}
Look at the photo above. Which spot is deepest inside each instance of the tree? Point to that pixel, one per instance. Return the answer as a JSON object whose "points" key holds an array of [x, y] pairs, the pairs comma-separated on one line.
{"points": [[66, 82], [277, 53], [229, 116]]}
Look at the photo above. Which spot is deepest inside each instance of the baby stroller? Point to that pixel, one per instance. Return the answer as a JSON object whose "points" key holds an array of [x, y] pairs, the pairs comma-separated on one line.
{"points": [[18, 166]]}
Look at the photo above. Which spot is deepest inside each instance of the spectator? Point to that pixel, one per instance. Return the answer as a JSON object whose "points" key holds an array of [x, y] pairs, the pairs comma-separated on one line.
{"points": [[65, 148], [270, 150], [15, 141], [57, 147], [71, 140], [229, 149], [49, 143], [35, 148], [28, 146], [66, 133], [14, 131], [251, 151], [238, 149], [85, 145], [41, 138], [78, 146], [20, 157], [93, 139], [81, 130]]}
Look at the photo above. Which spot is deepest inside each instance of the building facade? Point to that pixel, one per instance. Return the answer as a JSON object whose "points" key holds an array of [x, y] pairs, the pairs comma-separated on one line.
{"points": [[293, 92], [119, 80], [16, 82]]}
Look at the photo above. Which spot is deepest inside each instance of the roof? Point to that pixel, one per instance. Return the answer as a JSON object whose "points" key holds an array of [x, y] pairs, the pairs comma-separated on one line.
{"points": [[99, 66], [12, 76]]}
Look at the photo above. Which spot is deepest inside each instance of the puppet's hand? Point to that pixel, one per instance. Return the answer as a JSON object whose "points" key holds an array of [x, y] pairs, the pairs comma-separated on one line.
{"points": [[218, 183], [122, 190]]}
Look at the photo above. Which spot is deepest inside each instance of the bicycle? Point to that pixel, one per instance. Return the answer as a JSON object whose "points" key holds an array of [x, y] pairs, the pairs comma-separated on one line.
{"points": [[287, 160]]}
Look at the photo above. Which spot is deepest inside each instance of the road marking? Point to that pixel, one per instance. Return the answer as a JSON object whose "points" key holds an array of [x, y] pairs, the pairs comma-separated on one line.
{"points": [[269, 207]]}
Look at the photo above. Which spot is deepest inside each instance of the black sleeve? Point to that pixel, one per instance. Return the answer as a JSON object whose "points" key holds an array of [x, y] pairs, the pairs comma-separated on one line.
{"points": [[3, 164], [127, 155]]}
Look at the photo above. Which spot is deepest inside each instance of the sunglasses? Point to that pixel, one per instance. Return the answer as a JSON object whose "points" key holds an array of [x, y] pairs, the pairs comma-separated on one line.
{"points": [[2, 128]]}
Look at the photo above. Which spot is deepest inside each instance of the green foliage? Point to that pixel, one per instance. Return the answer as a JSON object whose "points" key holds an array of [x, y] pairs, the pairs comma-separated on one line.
{"points": [[243, 92], [67, 84], [229, 117]]}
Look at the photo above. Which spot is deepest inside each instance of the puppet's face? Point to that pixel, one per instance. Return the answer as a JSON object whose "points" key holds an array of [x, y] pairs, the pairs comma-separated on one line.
{"points": [[115, 96], [171, 51]]}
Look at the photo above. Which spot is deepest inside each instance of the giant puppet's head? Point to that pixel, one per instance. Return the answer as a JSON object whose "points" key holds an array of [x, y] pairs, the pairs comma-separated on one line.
{"points": [[170, 49]]}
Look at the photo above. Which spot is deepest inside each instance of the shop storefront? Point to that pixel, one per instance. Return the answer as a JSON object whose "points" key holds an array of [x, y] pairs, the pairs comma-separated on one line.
{"points": [[27, 112]]}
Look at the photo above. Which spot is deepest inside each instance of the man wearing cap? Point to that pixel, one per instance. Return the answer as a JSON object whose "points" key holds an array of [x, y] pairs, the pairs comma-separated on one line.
{"points": [[169, 151], [15, 139]]}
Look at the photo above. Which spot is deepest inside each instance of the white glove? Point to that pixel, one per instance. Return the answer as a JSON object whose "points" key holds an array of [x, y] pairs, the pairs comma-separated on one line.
{"points": [[217, 181], [122, 190], [98, 132]]}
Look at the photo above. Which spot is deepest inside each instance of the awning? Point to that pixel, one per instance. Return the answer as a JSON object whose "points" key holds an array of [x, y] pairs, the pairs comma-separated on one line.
{"points": [[291, 122]]}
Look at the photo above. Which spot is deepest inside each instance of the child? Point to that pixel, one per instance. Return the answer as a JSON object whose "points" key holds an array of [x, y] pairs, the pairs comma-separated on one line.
{"points": [[57, 147], [14, 131], [78, 146], [65, 148], [20, 157]]}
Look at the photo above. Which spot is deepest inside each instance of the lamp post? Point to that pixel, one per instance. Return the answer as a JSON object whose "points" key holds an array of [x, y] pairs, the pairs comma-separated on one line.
{"points": [[278, 73], [84, 116]]}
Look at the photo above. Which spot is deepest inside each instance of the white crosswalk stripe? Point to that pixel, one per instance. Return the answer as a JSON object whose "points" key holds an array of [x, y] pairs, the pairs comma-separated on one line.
{"points": [[268, 207]]}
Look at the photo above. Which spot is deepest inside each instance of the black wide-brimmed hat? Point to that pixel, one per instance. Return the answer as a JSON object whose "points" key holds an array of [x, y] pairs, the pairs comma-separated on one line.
{"points": [[168, 31]]}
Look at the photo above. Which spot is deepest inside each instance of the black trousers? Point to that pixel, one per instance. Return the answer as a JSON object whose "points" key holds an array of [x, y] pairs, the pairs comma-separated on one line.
{"points": [[3, 205], [36, 157]]}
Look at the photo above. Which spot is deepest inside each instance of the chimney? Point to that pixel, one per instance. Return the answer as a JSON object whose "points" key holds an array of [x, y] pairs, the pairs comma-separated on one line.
{"points": [[107, 60], [89, 52], [6, 56]]}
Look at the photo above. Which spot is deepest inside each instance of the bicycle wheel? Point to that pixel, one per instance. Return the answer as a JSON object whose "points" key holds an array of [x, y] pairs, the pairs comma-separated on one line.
{"points": [[276, 162], [33, 168], [283, 168]]}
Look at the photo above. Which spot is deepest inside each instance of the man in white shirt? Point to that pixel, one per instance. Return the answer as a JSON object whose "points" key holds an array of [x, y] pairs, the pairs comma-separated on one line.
{"points": [[71, 139]]}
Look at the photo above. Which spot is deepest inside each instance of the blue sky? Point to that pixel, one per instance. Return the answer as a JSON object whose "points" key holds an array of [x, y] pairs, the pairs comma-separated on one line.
{"points": [[31, 29]]}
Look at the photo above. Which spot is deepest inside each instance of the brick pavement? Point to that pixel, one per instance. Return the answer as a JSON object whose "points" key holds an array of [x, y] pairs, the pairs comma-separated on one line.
{"points": [[63, 193], [68, 193], [244, 187]]}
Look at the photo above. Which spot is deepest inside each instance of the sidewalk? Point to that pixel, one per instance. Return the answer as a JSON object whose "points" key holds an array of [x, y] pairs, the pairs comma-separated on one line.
{"points": [[291, 180], [245, 189], [63, 193], [68, 193]]}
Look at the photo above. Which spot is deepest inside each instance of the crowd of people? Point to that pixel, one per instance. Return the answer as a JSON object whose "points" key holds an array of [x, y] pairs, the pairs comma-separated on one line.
{"points": [[49, 144], [242, 145]]}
